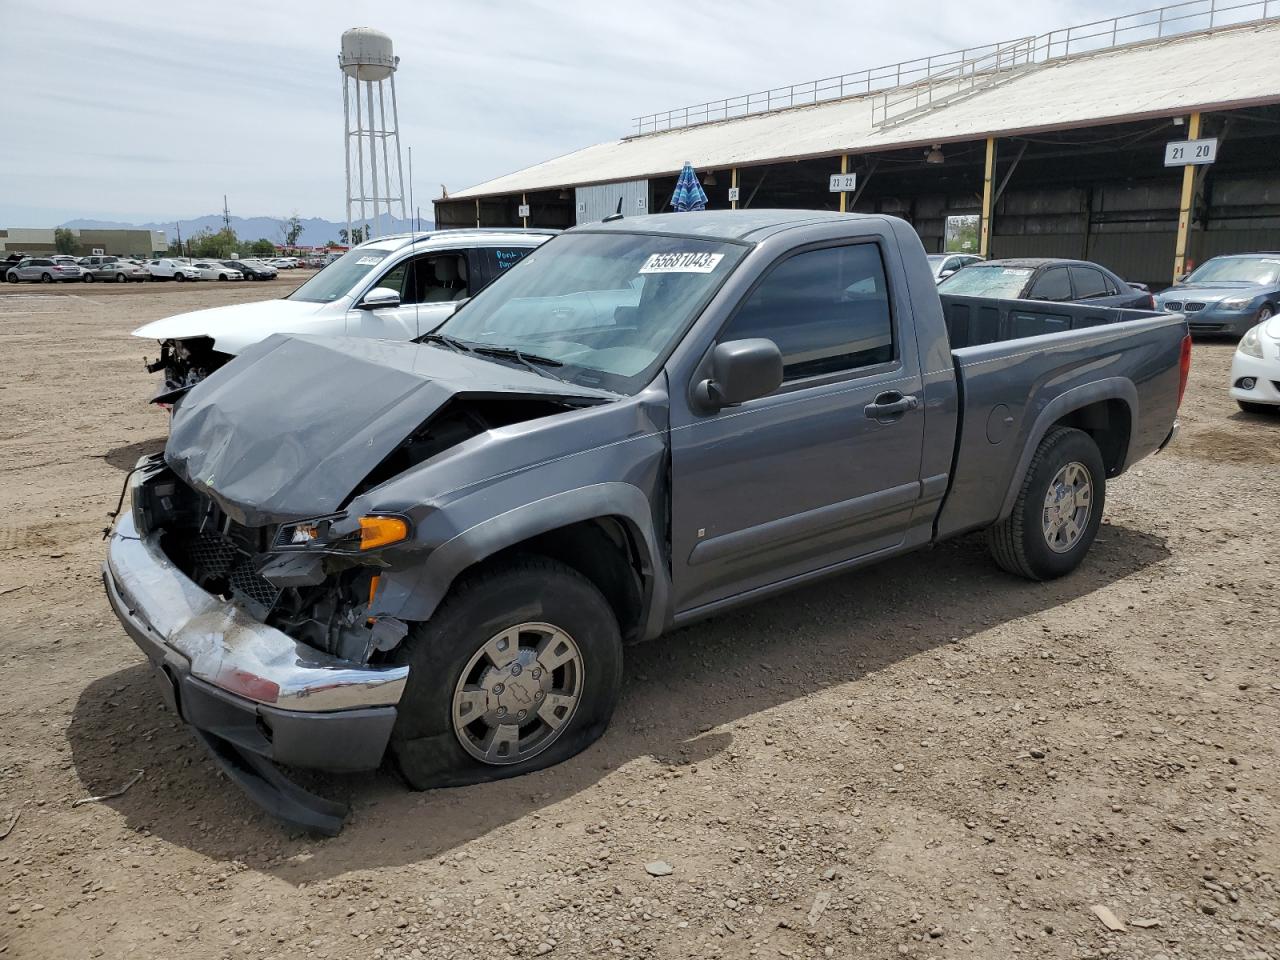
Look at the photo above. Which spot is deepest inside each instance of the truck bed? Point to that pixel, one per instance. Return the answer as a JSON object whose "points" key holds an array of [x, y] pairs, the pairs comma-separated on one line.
{"points": [[1021, 364]]}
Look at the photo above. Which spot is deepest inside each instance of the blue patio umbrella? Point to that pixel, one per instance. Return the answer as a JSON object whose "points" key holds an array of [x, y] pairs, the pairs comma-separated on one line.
{"points": [[689, 194]]}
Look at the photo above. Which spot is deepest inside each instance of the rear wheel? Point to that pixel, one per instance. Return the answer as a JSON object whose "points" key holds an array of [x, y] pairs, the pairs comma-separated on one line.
{"points": [[519, 669], [46, 278], [121, 278], [1263, 408], [1058, 509]]}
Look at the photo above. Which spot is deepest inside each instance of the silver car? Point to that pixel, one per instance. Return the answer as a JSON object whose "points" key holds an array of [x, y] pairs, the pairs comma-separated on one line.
{"points": [[44, 270], [113, 269]]}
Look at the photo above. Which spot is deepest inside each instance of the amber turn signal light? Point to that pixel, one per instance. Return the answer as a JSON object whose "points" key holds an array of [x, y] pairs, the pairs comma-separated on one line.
{"points": [[381, 531]]}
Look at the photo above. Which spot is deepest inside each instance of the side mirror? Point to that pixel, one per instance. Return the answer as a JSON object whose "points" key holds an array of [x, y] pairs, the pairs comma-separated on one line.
{"points": [[944, 274], [741, 370], [380, 298]]}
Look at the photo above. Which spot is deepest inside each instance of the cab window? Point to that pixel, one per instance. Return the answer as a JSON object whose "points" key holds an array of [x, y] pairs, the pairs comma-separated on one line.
{"points": [[826, 309]]}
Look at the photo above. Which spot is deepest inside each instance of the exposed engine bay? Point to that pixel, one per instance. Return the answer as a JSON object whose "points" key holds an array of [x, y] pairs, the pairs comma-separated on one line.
{"points": [[184, 363]]}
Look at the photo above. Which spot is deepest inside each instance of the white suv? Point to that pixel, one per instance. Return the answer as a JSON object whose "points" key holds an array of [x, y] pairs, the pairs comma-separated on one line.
{"points": [[170, 269], [393, 288]]}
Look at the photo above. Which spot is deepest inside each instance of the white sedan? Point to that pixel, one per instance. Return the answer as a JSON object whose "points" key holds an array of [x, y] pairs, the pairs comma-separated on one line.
{"points": [[1255, 371], [168, 268], [213, 270]]}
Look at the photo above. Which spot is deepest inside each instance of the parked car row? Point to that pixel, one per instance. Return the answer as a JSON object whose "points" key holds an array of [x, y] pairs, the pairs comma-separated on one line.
{"points": [[61, 267]]}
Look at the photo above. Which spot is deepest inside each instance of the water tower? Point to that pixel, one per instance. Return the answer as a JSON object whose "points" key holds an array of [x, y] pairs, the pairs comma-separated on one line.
{"points": [[368, 63]]}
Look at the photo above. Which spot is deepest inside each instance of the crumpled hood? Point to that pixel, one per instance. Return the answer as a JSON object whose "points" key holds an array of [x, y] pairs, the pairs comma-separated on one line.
{"points": [[289, 429], [236, 326]]}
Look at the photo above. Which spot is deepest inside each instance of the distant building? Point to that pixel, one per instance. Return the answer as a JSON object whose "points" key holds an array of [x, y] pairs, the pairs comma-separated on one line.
{"points": [[145, 243]]}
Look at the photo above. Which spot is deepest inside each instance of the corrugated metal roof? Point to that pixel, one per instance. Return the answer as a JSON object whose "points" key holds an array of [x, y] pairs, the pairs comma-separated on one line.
{"points": [[1204, 71]]}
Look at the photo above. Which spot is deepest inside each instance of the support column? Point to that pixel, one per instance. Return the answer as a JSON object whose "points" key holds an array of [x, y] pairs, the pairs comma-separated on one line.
{"points": [[844, 197], [524, 202], [1184, 208], [988, 201], [733, 182], [477, 211]]}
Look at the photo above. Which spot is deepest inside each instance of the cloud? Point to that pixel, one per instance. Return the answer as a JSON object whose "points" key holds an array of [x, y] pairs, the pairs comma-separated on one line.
{"points": [[140, 114]]}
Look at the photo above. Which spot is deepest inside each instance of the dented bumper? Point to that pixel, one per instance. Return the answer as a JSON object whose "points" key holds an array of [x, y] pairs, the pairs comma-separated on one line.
{"points": [[239, 679]]}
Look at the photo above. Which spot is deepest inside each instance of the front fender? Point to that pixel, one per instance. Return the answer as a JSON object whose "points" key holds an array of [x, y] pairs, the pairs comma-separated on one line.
{"points": [[415, 594]]}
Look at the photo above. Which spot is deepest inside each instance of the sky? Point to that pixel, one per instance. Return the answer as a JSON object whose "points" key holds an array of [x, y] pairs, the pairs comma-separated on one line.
{"points": [[152, 111]]}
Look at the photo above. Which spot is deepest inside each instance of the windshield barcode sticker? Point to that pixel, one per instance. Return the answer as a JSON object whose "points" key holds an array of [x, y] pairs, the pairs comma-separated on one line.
{"points": [[682, 263]]}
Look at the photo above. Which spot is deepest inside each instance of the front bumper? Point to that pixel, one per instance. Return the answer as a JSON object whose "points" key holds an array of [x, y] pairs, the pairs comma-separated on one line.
{"points": [[1265, 371], [241, 680], [1212, 319]]}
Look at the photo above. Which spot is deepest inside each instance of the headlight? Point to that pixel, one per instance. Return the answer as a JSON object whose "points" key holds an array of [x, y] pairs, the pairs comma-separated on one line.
{"points": [[1251, 343], [1235, 303], [342, 534]]}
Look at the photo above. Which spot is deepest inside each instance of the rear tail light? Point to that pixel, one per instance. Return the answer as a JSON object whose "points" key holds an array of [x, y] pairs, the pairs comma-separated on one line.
{"points": [[1184, 367]]}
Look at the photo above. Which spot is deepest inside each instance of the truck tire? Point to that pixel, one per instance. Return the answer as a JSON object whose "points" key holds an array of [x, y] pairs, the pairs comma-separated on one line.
{"points": [[519, 669], [1059, 507]]}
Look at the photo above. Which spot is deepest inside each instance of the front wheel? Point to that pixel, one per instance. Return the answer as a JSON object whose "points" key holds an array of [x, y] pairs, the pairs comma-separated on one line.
{"points": [[519, 669], [1058, 510], [88, 278], [121, 278], [11, 277], [179, 277]]}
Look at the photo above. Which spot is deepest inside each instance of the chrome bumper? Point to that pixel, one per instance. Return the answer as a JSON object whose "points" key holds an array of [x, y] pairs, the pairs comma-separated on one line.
{"points": [[167, 614]]}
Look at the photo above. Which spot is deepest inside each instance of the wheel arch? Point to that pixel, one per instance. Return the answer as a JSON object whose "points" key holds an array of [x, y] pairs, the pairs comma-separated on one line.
{"points": [[1105, 409], [604, 531]]}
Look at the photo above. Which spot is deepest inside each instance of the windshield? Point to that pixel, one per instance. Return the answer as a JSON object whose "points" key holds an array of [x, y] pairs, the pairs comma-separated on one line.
{"points": [[337, 279], [1236, 270], [979, 281], [608, 306]]}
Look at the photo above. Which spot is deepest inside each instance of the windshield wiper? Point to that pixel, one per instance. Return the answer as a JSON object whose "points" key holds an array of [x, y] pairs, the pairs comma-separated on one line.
{"points": [[532, 361], [451, 342]]}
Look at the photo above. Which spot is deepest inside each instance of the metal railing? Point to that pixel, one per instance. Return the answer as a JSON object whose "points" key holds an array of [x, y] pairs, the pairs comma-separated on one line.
{"points": [[1171, 20], [952, 83]]}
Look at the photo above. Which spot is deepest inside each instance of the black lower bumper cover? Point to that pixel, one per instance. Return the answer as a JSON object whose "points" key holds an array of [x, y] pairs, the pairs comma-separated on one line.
{"points": [[247, 739], [273, 791]]}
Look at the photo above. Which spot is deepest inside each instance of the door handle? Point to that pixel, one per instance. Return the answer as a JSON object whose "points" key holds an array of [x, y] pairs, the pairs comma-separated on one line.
{"points": [[890, 406]]}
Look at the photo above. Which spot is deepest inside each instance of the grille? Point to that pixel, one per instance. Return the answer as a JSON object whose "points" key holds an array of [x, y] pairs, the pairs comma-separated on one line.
{"points": [[213, 555], [1193, 307], [249, 584], [1173, 306]]}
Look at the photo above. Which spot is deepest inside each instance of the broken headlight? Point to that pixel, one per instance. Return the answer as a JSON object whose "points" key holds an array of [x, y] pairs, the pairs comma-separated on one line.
{"points": [[343, 534]]}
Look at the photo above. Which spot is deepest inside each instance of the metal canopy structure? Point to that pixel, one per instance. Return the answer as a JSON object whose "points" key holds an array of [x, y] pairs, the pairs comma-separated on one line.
{"points": [[1211, 69]]}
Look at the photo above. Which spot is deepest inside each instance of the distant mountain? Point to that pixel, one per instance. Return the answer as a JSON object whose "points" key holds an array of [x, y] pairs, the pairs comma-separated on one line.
{"points": [[315, 230]]}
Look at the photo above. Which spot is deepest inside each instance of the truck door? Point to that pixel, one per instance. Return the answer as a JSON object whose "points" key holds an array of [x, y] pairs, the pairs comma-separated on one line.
{"points": [[825, 469]]}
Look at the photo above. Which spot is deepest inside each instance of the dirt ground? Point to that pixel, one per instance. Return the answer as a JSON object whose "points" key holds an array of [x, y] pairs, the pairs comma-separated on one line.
{"points": [[928, 759]]}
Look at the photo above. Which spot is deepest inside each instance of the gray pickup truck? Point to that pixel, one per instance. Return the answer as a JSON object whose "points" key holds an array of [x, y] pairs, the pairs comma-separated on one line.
{"points": [[433, 552]]}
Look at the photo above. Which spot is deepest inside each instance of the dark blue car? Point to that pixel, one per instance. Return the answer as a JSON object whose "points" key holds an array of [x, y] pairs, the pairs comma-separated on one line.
{"points": [[1227, 294]]}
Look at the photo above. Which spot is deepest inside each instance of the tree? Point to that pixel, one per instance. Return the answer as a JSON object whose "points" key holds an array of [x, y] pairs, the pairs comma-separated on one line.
{"points": [[262, 248], [291, 230], [215, 246], [358, 235], [64, 241]]}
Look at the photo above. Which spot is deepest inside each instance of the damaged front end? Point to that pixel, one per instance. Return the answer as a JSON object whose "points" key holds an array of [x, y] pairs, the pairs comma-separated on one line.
{"points": [[184, 364], [262, 568], [315, 581]]}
